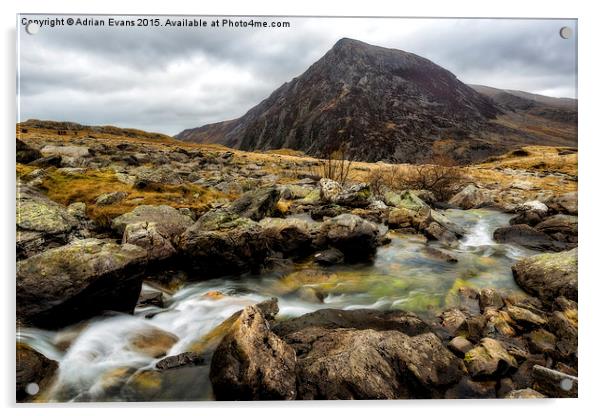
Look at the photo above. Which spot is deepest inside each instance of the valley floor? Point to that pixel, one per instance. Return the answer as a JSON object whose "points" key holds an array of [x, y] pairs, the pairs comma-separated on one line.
{"points": [[152, 269]]}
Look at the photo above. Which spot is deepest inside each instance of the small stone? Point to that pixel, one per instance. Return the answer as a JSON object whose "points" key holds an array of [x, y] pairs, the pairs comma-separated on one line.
{"points": [[329, 257], [152, 341], [490, 298], [184, 359], [490, 358], [554, 383], [541, 341], [111, 198], [525, 317], [460, 346]]}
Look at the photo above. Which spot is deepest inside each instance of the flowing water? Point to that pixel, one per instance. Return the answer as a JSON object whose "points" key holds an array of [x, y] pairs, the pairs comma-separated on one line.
{"points": [[96, 358]]}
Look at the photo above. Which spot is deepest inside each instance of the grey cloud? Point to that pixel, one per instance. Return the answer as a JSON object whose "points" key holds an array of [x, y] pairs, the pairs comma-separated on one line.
{"points": [[165, 79]]}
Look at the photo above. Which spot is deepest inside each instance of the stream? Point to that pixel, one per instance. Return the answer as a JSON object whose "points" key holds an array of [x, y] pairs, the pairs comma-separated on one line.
{"points": [[96, 359]]}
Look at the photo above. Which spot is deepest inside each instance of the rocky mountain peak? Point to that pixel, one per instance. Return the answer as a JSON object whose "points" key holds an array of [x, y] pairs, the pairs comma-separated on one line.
{"points": [[381, 103]]}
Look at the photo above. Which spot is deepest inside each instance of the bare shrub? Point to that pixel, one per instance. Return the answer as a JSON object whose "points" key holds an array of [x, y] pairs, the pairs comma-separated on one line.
{"points": [[336, 166], [441, 176], [381, 179]]}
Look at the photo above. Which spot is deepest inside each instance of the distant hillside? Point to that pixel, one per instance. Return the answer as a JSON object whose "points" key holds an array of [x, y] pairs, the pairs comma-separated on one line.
{"points": [[67, 126]]}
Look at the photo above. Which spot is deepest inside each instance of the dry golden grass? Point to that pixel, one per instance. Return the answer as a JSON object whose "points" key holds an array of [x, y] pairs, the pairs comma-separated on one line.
{"points": [[287, 164], [87, 187], [23, 170]]}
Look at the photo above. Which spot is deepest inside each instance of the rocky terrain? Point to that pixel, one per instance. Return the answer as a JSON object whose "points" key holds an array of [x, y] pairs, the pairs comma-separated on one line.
{"points": [[391, 105], [122, 234]]}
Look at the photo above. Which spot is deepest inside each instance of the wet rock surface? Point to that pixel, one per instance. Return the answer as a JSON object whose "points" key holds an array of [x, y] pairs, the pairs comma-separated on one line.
{"points": [[34, 372], [548, 275], [79, 280]]}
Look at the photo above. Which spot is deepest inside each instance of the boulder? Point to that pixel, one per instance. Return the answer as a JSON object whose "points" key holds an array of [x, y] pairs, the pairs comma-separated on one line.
{"points": [[560, 227], [541, 341], [435, 231], [330, 210], [221, 243], [355, 196], [290, 236], [48, 161], [158, 174], [531, 218], [312, 198], [489, 359], [411, 201], [329, 257], [77, 281], [534, 206], [252, 363], [256, 204], [471, 197], [548, 275], [68, 151], [293, 192], [111, 198], [525, 317], [564, 204], [26, 153], [148, 236], [564, 325], [529, 237], [329, 319], [490, 298], [41, 223], [329, 190], [460, 346], [77, 210], [370, 364], [406, 218], [169, 222], [35, 372], [355, 237]]}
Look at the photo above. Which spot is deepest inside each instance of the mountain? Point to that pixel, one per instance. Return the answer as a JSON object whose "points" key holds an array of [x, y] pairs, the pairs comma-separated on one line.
{"points": [[380, 103]]}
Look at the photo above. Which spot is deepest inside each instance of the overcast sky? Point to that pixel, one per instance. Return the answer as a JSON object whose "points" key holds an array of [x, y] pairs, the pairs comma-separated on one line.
{"points": [[169, 79]]}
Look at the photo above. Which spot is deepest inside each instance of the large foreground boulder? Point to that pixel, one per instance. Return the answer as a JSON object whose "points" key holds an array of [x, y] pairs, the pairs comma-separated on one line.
{"points": [[548, 275], [333, 354], [252, 363], [77, 281], [369, 364]]}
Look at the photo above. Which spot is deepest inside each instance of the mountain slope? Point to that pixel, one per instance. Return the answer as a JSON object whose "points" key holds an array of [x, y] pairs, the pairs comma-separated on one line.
{"points": [[383, 104]]}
